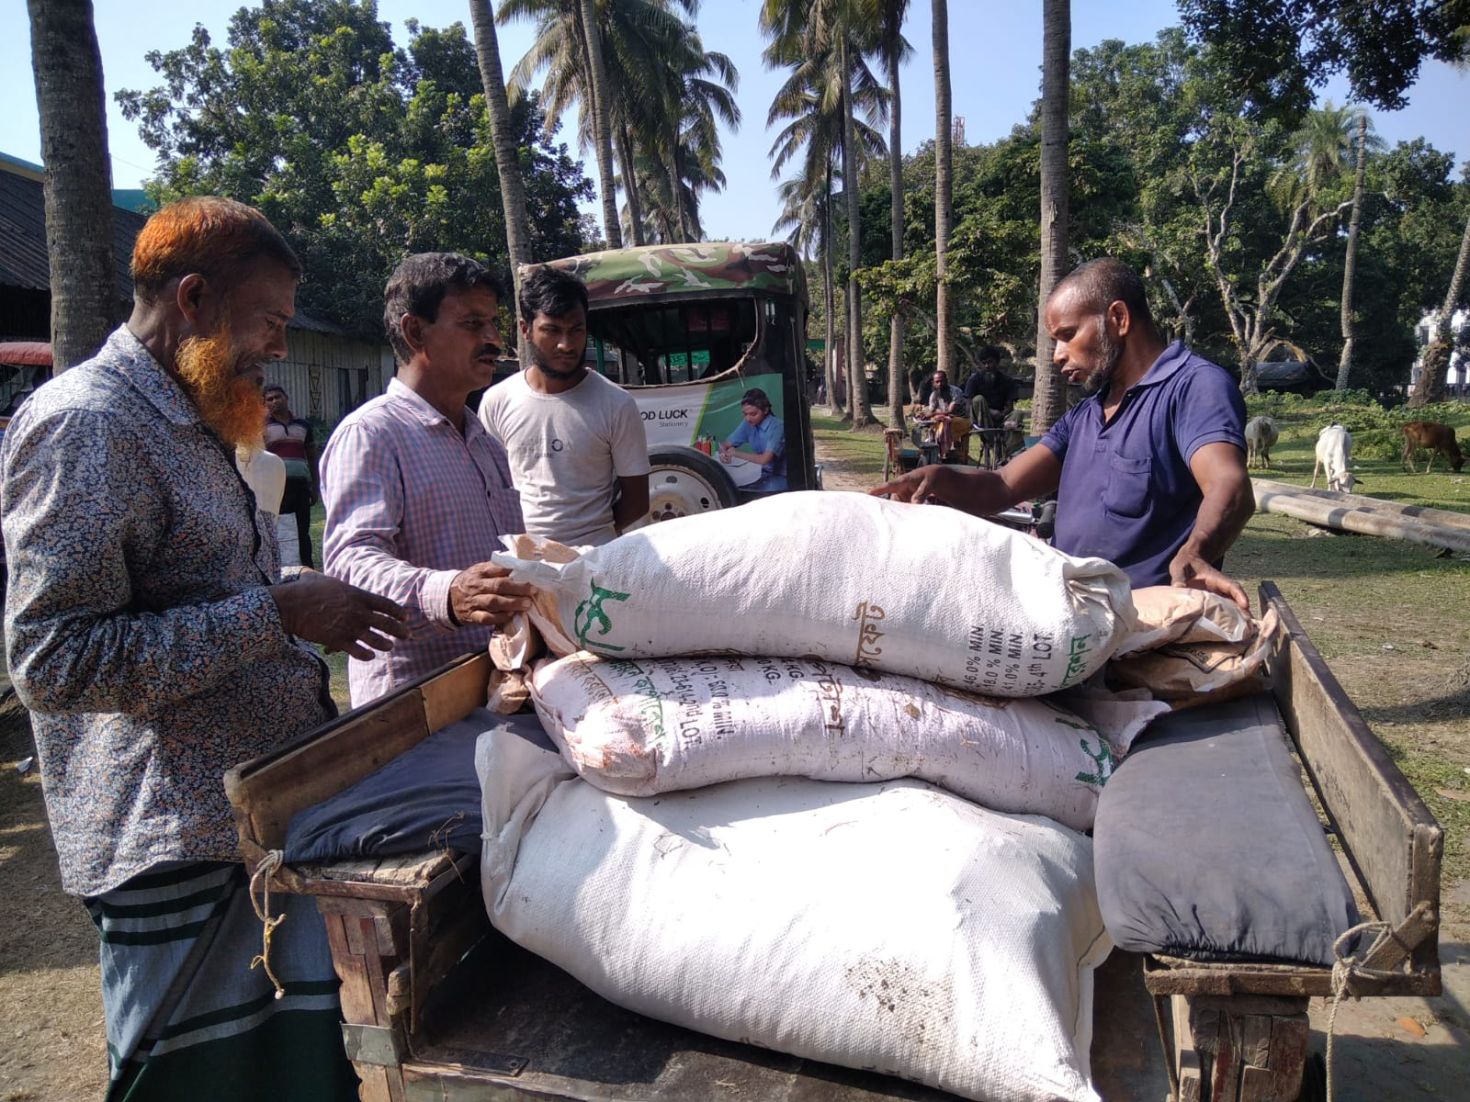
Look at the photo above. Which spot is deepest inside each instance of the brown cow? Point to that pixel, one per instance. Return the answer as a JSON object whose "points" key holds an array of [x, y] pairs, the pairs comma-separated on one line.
{"points": [[1433, 437]]}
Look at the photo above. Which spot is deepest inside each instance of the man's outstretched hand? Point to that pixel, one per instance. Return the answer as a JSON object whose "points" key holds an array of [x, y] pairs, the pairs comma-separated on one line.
{"points": [[484, 594], [919, 486], [326, 610], [1189, 571]]}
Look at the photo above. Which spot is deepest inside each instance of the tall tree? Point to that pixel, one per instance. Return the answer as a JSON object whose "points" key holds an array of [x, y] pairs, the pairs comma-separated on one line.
{"points": [[1350, 257], [1303, 187], [824, 43], [814, 134], [355, 148], [507, 159], [78, 183], [857, 377], [943, 191], [1273, 52], [601, 126], [665, 94], [1436, 363], [894, 48], [1047, 404]]}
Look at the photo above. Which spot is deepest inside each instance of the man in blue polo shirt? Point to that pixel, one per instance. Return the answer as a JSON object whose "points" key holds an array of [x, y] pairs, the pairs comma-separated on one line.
{"points": [[1149, 469]]}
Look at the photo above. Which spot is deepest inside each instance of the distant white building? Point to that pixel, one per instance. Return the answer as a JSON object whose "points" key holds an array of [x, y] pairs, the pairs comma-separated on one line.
{"points": [[1457, 381]]}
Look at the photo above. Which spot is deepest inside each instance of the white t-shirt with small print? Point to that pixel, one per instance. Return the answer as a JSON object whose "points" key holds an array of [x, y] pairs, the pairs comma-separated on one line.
{"points": [[567, 452]]}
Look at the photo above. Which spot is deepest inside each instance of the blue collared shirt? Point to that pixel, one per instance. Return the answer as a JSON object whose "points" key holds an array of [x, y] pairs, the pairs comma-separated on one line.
{"points": [[767, 436], [1126, 493]]}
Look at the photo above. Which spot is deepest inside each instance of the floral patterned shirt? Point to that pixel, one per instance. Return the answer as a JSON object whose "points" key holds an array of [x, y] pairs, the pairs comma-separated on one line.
{"points": [[138, 626]]}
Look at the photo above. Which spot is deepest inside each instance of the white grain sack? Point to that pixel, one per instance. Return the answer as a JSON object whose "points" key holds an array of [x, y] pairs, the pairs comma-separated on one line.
{"points": [[920, 590], [886, 926], [643, 726]]}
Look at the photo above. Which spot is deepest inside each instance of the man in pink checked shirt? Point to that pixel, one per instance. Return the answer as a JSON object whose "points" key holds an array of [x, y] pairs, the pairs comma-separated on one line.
{"points": [[417, 493]]}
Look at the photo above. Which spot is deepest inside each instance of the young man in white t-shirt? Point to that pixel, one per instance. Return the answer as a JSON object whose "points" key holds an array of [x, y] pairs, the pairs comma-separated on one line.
{"points": [[578, 452]]}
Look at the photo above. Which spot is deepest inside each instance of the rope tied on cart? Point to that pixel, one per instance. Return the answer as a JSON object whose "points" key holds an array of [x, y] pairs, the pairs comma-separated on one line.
{"points": [[260, 880], [1349, 966]]}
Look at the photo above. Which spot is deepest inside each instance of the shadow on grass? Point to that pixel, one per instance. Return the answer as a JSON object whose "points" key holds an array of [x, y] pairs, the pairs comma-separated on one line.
{"points": [[1278, 547]]}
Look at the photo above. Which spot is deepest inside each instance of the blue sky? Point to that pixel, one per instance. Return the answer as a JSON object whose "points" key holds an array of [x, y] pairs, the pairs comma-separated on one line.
{"points": [[995, 51]]}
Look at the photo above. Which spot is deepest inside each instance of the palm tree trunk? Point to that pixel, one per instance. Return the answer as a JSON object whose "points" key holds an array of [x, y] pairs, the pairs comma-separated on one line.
{"points": [[676, 187], [507, 161], [1350, 260], [830, 301], [1047, 404], [78, 187], [630, 184], [1437, 355], [943, 191], [602, 132], [858, 400], [896, 380]]}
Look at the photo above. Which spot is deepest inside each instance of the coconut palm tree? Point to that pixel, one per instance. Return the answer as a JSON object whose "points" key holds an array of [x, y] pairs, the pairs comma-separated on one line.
{"points": [[1321, 150], [1350, 257], [78, 185], [507, 161], [826, 40], [598, 93], [943, 191], [813, 133], [806, 220], [667, 93], [893, 48], [1056, 47]]}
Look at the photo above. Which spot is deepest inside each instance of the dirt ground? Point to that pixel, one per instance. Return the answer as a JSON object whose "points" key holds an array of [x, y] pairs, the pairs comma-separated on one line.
{"points": [[52, 1045]]}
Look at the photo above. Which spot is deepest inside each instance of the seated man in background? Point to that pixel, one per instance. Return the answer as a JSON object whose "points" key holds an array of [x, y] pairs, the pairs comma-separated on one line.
{"points": [[943, 415], [997, 389], [1149, 469], [417, 493]]}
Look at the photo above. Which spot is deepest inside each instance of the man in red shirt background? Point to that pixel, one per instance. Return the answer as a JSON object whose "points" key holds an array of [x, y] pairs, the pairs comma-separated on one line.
{"points": [[290, 438]]}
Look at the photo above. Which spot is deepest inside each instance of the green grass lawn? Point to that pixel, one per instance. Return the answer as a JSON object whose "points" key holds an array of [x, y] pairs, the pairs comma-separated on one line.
{"points": [[859, 454], [1377, 452]]}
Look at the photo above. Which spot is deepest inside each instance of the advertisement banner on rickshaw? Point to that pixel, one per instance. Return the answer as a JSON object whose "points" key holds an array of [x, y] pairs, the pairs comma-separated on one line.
{"points": [[705, 415]]}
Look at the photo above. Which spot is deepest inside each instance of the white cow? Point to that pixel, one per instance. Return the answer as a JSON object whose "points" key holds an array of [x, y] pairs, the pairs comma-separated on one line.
{"points": [[1334, 458], [1260, 434]]}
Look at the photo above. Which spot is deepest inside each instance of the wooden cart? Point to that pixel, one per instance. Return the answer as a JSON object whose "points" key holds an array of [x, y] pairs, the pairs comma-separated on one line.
{"points": [[439, 1006]]}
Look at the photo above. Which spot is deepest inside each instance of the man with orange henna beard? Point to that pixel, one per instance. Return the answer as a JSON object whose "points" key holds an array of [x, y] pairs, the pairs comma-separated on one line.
{"points": [[151, 636]]}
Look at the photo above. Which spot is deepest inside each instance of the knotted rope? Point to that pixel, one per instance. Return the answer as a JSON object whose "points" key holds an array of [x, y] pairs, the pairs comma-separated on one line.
{"points": [[261, 879], [1348, 967]]}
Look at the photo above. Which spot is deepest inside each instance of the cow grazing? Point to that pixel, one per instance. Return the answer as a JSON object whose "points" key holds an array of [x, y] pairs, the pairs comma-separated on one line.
{"points": [[1433, 437], [1260, 434], [1334, 457]]}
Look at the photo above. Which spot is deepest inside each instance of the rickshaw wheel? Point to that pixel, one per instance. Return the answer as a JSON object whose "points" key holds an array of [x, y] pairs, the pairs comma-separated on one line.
{"points": [[684, 482]]}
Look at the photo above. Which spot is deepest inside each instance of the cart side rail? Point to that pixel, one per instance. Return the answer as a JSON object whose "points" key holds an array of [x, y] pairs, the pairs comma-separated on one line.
{"points": [[267, 791], [1388, 835]]}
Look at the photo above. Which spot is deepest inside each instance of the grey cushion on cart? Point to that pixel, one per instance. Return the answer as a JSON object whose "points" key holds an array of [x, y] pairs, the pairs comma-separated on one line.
{"points": [[426, 798], [1206, 846]]}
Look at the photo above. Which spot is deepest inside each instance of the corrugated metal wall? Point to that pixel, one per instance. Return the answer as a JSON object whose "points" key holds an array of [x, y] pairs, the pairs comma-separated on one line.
{"points": [[326, 376]]}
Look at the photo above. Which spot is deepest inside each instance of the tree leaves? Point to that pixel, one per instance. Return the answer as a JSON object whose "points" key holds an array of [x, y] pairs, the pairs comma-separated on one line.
{"points": [[357, 149]]}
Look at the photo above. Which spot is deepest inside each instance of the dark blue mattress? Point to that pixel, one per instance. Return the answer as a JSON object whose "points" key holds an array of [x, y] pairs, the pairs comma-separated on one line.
{"points": [[1206, 846], [425, 799]]}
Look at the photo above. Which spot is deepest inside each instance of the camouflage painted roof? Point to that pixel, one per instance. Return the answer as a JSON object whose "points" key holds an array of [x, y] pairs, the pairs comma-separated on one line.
{"points": [[630, 274]]}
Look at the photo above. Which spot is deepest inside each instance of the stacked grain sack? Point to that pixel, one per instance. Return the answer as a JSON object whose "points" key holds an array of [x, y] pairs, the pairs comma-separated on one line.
{"points": [[886, 922]]}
